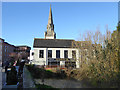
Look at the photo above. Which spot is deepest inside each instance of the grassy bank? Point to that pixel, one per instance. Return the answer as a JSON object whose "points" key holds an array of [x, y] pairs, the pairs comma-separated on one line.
{"points": [[39, 73]]}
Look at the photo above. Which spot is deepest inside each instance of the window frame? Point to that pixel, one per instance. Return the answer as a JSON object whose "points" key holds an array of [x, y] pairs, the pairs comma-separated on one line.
{"points": [[57, 54], [73, 56], [32, 53], [49, 56], [41, 55], [65, 54]]}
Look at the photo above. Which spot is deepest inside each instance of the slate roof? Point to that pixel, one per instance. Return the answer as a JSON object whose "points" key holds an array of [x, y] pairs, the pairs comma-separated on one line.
{"points": [[52, 43]]}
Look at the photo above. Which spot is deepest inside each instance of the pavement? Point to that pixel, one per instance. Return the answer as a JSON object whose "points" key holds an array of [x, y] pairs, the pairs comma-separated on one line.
{"points": [[1, 78], [60, 83], [27, 79]]}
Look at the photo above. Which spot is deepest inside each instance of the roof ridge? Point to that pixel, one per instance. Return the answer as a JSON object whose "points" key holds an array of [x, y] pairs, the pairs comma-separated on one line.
{"points": [[53, 39]]}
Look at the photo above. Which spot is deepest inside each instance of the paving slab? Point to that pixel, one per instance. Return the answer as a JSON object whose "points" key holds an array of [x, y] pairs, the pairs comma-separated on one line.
{"points": [[27, 79], [60, 83]]}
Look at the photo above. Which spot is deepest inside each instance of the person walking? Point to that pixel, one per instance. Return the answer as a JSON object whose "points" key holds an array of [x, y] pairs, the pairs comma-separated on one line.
{"points": [[6, 66], [22, 63]]}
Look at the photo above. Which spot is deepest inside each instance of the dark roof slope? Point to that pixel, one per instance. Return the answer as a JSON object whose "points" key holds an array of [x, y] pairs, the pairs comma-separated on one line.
{"points": [[52, 43]]}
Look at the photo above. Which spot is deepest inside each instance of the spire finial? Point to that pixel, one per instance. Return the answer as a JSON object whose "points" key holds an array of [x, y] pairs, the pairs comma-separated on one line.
{"points": [[50, 20], [50, 5]]}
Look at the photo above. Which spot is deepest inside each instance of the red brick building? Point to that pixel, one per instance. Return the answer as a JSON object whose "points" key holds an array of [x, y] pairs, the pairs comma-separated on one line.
{"points": [[6, 49]]}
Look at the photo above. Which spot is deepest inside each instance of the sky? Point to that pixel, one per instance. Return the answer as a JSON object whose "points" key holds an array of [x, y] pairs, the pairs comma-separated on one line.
{"points": [[24, 21]]}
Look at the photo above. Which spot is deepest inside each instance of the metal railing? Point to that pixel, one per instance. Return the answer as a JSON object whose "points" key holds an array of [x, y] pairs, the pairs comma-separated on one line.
{"points": [[61, 59]]}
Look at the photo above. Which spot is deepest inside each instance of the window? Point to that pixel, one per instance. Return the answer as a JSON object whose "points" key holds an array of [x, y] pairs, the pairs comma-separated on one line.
{"points": [[5, 48], [65, 53], [41, 54], [57, 53], [49, 53], [32, 53], [74, 54]]}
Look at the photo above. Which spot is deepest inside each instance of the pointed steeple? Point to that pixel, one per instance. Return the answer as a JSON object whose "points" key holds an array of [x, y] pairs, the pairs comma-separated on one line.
{"points": [[50, 34], [50, 20]]}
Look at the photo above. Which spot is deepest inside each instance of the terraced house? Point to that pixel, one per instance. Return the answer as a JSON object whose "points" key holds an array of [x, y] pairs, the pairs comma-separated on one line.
{"points": [[5, 49]]}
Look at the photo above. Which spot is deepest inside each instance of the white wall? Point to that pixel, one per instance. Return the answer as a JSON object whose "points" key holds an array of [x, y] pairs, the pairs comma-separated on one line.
{"points": [[31, 56], [39, 61]]}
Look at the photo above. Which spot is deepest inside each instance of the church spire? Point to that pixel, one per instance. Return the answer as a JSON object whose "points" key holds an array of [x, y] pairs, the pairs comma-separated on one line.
{"points": [[50, 20], [50, 34]]}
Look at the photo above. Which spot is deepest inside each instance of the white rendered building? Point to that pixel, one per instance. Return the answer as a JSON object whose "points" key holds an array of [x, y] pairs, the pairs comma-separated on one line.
{"points": [[51, 51]]}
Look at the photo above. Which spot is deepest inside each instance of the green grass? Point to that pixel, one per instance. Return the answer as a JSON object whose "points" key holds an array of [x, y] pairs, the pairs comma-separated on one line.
{"points": [[49, 70], [39, 73]]}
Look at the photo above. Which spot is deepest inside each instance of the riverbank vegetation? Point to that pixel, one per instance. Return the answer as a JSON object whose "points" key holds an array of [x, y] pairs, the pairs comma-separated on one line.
{"points": [[100, 58], [99, 61], [39, 73]]}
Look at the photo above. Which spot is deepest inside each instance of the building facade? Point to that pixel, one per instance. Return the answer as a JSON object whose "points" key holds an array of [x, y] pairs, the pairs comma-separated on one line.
{"points": [[23, 50], [1, 50], [50, 51], [5, 49]]}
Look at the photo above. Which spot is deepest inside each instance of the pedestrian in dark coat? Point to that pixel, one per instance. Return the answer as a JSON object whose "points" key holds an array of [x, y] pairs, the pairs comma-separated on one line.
{"points": [[22, 63], [6, 66]]}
